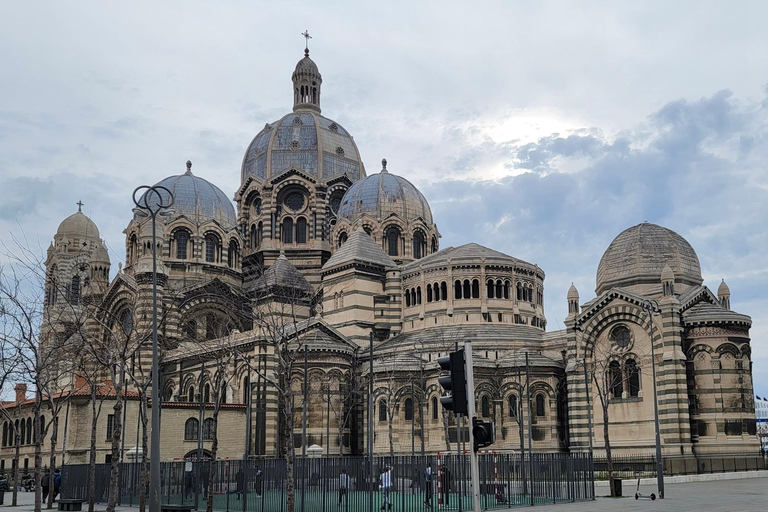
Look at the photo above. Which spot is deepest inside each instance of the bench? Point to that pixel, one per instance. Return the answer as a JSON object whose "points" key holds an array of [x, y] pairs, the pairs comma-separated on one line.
{"points": [[71, 505], [176, 508]]}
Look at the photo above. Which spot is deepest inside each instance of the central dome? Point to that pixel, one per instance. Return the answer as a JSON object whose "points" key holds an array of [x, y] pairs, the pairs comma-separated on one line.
{"points": [[638, 255], [380, 195], [78, 225]]}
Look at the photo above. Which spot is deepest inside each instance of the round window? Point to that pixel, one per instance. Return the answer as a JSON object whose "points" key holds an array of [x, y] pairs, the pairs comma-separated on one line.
{"points": [[294, 201], [622, 336]]}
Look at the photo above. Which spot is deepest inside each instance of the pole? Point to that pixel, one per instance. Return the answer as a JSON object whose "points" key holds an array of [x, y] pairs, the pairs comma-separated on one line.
{"points": [[304, 434], [421, 401], [459, 450], [530, 419], [370, 422], [521, 425], [473, 462], [659, 463], [201, 418], [589, 423], [246, 453]]}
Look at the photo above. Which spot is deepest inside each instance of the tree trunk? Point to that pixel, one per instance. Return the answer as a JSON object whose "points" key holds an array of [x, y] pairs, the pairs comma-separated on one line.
{"points": [[92, 456], [38, 466], [288, 446], [212, 463], [144, 482], [52, 456], [117, 434], [16, 456], [608, 455]]}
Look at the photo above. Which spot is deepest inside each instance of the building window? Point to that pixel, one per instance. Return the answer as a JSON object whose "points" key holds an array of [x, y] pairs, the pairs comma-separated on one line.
{"points": [[288, 230], [633, 377], [467, 292], [211, 248], [418, 245], [191, 394], [209, 429], [621, 336], [382, 410], [29, 430], [182, 239], [207, 394], [475, 289], [615, 380], [457, 290], [301, 231], [393, 240], [485, 408], [342, 239], [191, 427], [513, 406], [434, 408], [408, 409], [110, 426], [540, 405], [5, 433], [74, 291], [232, 254], [246, 390]]}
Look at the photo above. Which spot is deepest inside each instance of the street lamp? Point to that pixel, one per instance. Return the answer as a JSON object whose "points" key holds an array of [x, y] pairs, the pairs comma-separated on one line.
{"points": [[152, 201], [651, 307]]}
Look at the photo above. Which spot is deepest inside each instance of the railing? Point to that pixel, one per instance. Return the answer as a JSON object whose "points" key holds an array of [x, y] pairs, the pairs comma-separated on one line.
{"points": [[644, 464], [506, 480]]}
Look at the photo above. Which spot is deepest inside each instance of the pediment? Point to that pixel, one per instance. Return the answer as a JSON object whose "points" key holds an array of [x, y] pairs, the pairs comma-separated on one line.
{"points": [[284, 175]]}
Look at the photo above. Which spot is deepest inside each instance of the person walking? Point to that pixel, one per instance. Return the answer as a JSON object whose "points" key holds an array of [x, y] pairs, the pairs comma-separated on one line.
{"points": [[428, 485], [343, 485], [239, 483], [446, 481], [56, 483], [46, 484], [385, 482], [257, 482]]}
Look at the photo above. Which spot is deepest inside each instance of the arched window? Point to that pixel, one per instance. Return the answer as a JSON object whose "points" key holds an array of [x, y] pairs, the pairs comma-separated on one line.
{"points": [[288, 230], [191, 394], [74, 291], [436, 292], [615, 380], [519, 291], [485, 408], [223, 397], [393, 241], [23, 431], [246, 389], [407, 299], [408, 409], [418, 295], [209, 428], [413, 297], [457, 290], [301, 230], [489, 289], [506, 289], [418, 245], [133, 249], [633, 377], [207, 394], [434, 408], [42, 424], [191, 427], [444, 290], [540, 405], [475, 289], [182, 239], [467, 291], [232, 254], [342, 239], [513, 406], [382, 410], [5, 433], [126, 321], [499, 292], [434, 245], [429, 293], [29, 430], [211, 248]]}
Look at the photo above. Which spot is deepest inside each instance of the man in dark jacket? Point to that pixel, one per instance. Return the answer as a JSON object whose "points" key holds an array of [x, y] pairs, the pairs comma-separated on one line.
{"points": [[56, 483], [45, 484]]}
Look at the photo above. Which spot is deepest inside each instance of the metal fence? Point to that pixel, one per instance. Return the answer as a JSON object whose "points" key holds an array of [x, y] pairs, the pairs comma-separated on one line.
{"points": [[644, 464], [506, 480]]}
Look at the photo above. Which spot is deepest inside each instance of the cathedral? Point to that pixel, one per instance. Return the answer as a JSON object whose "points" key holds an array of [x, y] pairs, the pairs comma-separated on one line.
{"points": [[318, 249]]}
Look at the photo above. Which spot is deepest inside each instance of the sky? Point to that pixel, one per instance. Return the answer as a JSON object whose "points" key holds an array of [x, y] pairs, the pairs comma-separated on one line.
{"points": [[540, 129]]}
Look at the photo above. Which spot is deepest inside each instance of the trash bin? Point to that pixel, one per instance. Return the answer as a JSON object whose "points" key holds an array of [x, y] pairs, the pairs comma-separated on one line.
{"points": [[2, 497], [617, 486]]}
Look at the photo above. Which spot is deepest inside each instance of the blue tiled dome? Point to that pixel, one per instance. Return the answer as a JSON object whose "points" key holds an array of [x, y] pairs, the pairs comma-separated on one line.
{"points": [[382, 194], [199, 200]]}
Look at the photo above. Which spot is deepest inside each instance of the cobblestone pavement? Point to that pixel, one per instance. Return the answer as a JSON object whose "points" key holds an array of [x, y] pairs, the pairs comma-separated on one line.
{"points": [[719, 496]]}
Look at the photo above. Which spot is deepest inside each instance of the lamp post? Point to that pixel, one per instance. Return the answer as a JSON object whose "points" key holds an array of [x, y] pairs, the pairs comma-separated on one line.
{"points": [[153, 200], [651, 307]]}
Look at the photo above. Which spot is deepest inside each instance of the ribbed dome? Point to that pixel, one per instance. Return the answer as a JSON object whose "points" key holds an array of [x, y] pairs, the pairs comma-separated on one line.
{"points": [[199, 200], [307, 142], [723, 289], [639, 254], [78, 225], [573, 293], [383, 194], [100, 254], [306, 65]]}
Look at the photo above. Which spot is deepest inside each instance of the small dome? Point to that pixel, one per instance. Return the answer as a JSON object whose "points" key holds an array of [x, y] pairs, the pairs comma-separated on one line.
{"points": [[199, 200], [573, 293], [667, 274], [638, 255], [77, 225], [100, 254], [306, 66], [380, 195], [723, 289]]}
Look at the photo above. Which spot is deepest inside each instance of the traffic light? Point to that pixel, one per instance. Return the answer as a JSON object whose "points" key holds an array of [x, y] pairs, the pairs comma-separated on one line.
{"points": [[483, 433], [455, 382]]}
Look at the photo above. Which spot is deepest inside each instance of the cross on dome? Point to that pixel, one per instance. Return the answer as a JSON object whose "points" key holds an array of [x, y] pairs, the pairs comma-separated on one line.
{"points": [[307, 37], [79, 206]]}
